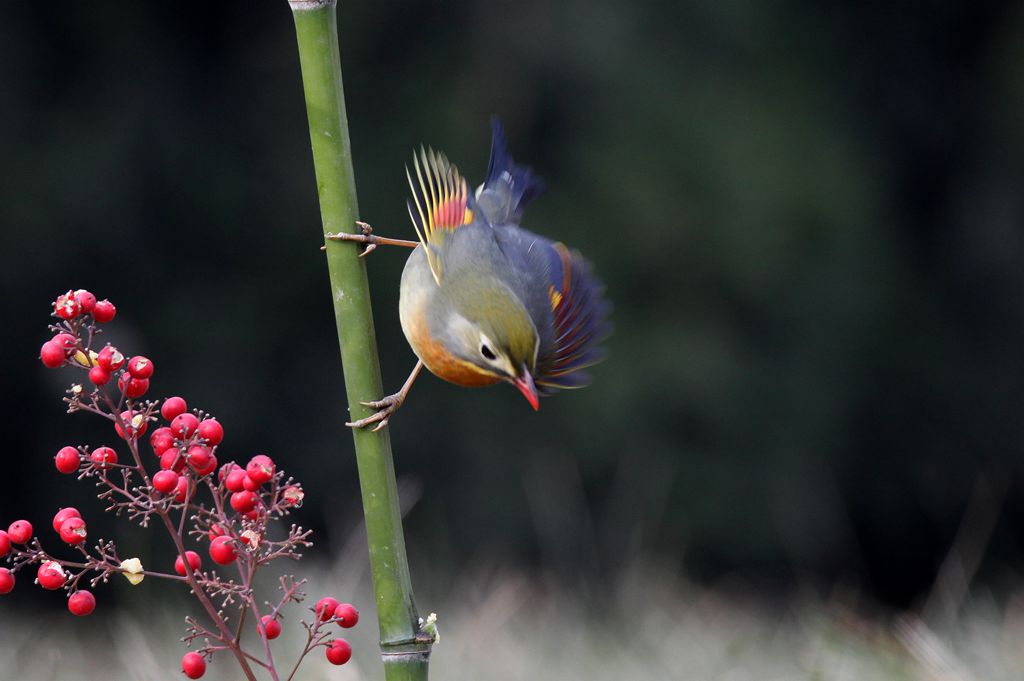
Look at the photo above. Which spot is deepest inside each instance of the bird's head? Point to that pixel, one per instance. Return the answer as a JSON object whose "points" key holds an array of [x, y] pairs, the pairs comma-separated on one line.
{"points": [[491, 329]]}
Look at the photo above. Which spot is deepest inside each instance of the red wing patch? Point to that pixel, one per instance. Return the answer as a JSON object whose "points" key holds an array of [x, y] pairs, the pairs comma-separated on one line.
{"points": [[439, 203]]}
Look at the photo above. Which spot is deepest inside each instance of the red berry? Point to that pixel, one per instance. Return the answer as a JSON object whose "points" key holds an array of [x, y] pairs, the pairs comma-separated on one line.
{"points": [[110, 359], [243, 501], [225, 469], [140, 367], [222, 550], [216, 531], [211, 466], [86, 300], [211, 431], [136, 423], [132, 387], [193, 665], [51, 575], [6, 581], [165, 481], [194, 561], [66, 307], [67, 460], [62, 515], [325, 608], [199, 457], [99, 376], [73, 531], [172, 460], [339, 652], [81, 603], [161, 440], [233, 481], [184, 425], [52, 354], [250, 484], [181, 491], [66, 341], [20, 531], [173, 406], [347, 615], [260, 468], [270, 626], [5, 544], [103, 457], [103, 311]]}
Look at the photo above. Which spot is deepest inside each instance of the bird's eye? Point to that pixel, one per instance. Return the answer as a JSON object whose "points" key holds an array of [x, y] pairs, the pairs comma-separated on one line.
{"points": [[487, 352]]}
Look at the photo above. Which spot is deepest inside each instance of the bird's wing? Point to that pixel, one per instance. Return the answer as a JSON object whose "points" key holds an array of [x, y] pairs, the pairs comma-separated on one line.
{"points": [[507, 188], [580, 320], [439, 204]]}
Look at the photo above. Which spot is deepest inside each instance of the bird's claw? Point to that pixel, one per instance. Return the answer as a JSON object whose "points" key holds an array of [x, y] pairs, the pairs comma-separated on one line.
{"points": [[367, 231], [364, 237], [369, 240], [385, 407]]}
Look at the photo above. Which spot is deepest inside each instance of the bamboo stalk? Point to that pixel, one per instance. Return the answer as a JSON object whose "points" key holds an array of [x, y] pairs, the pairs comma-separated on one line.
{"points": [[404, 647]]}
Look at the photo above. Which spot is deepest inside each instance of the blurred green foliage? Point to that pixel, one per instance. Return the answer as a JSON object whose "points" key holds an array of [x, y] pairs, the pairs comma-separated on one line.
{"points": [[808, 216]]}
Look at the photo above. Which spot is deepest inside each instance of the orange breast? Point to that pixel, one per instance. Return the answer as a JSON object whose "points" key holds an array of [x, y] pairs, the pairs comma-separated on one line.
{"points": [[438, 360]]}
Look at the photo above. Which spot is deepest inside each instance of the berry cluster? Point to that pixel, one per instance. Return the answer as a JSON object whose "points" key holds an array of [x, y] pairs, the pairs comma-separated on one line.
{"points": [[234, 509]]}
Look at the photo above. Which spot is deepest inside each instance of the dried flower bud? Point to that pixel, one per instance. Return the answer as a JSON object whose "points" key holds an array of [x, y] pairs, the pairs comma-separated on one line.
{"points": [[133, 570]]}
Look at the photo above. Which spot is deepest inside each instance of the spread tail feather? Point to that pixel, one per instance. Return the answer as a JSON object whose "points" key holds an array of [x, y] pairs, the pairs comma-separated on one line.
{"points": [[580, 322]]}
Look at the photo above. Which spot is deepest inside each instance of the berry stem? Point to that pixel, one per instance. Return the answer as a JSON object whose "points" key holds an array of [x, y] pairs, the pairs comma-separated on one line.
{"points": [[82, 406], [226, 636], [247, 580], [133, 442], [312, 641]]}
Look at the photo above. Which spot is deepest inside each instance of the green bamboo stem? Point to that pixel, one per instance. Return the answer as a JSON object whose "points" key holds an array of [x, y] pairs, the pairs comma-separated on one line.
{"points": [[404, 648]]}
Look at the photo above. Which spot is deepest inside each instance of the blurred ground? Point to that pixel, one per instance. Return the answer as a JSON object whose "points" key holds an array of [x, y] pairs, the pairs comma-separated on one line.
{"points": [[499, 625]]}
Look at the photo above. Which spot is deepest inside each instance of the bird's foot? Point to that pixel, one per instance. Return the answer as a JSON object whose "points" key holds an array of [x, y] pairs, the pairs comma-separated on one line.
{"points": [[367, 237], [386, 407]]}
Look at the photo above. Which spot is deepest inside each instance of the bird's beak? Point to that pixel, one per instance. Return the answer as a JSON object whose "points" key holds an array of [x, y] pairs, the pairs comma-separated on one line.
{"points": [[527, 387]]}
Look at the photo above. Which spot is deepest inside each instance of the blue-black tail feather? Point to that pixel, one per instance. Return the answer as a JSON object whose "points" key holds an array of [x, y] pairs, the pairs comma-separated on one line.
{"points": [[507, 188]]}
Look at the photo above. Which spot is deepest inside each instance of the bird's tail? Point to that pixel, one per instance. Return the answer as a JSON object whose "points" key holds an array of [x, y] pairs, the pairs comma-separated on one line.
{"points": [[507, 188]]}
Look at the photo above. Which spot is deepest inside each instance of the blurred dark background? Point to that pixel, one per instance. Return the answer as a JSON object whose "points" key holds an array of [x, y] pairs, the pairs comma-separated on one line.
{"points": [[808, 215]]}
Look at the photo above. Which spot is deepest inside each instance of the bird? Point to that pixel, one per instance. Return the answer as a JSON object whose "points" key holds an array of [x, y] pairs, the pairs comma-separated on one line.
{"points": [[482, 300]]}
